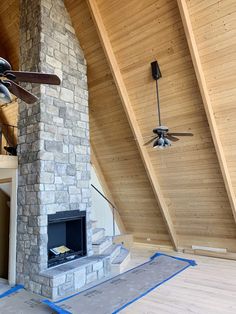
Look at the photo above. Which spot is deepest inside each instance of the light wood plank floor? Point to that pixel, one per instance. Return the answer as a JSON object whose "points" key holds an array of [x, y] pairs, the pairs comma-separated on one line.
{"points": [[210, 287]]}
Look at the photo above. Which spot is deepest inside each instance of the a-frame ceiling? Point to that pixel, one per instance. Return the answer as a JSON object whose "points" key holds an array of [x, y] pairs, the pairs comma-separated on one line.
{"points": [[194, 192]]}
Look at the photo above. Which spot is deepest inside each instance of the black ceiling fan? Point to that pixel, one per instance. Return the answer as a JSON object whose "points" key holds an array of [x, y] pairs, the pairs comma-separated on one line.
{"points": [[163, 137], [9, 80]]}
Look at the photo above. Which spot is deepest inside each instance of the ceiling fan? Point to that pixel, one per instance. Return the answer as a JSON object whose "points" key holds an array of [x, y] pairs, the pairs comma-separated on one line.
{"points": [[163, 137], [9, 80]]}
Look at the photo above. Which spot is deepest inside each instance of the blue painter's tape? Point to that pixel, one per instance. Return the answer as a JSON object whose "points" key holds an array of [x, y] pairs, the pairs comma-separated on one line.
{"points": [[190, 261], [11, 290], [149, 290], [156, 255], [73, 295], [56, 308]]}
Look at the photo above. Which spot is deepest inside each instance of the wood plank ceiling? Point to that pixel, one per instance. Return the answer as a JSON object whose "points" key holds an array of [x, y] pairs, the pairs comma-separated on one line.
{"points": [[188, 172], [216, 44], [112, 139], [9, 45]]}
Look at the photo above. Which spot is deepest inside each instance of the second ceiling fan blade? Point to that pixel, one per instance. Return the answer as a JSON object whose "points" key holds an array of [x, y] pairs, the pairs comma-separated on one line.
{"points": [[148, 142], [34, 77], [22, 93], [172, 138], [180, 134]]}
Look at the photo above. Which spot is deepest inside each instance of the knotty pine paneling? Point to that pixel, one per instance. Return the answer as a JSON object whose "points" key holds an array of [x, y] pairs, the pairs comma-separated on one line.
{"points": [[9, 25], [188, 172], [214, 26]]}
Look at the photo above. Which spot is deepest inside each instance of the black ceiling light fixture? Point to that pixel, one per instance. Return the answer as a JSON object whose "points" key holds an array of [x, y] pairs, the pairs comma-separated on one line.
{"points": [[5, 96], [162, 136]]}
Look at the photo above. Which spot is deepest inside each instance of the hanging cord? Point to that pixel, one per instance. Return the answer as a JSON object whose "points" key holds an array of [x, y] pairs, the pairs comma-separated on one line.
{"points": [[158, 104]]}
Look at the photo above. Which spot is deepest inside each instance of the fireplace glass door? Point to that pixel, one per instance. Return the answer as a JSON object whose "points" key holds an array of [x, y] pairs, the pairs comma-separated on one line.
{"points": [[66, 237]]}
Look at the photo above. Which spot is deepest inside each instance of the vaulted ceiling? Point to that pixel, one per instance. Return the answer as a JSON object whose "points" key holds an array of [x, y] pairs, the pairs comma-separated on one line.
{"points": [[184, 195]]}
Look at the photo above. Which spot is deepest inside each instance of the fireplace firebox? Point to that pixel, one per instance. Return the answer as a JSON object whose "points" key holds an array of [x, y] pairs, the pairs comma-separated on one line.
{"points": [[66, 236]]}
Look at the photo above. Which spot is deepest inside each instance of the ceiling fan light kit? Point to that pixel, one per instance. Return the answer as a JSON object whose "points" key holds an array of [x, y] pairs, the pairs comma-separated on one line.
{"points": [[163, 138], [161, 143], [5, 96]]}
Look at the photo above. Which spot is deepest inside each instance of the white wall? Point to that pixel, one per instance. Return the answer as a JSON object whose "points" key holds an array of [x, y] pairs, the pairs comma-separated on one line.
{"points": [[101, 211], [6, 187]]}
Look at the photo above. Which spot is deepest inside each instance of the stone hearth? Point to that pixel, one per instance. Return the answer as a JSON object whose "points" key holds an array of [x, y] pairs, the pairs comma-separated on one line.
{"points": [[67, 278]]}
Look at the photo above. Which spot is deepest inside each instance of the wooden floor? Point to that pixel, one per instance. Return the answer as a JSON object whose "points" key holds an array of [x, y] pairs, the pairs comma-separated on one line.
{"points": [[210, 287]]}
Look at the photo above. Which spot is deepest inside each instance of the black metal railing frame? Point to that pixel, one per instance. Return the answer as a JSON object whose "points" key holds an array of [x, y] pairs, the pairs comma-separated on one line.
{"points": [[113, 207]]}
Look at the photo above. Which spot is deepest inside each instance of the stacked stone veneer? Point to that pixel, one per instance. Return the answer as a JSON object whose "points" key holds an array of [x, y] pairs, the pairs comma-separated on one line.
{"points": [[54, 152], [68, 278]]}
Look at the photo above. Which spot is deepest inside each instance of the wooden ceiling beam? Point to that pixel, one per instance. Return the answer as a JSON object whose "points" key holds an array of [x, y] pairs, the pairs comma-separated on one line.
{"points": [[207, 102], [94, 10], [105, 187]]}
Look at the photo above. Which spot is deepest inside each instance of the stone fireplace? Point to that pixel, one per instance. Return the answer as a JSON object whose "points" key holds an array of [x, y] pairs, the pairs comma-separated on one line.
{"points": [[54, 157]]}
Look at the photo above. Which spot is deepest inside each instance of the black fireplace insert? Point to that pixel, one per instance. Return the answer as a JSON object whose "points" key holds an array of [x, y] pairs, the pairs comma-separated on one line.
{"points": [[66, 236]]}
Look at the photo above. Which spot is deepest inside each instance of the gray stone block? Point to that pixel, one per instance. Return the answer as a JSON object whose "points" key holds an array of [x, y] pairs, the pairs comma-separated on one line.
{"points": [[89, 269], [98, 266], [35, 287], [67, 95], [100, 273], [53, 146], [62, 197], [46, 177], [69, 277], [46, 197], [31, 198], [57, 281], [47, 291], [79, 278], [66, 288], [91, 277]]}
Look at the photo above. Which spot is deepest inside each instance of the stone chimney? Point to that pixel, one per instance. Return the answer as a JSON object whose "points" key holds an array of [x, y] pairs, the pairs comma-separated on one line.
{"points": [[53, 150]]}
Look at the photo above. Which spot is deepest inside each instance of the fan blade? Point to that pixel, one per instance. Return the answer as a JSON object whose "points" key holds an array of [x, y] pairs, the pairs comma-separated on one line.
{"points": [[172, 138], [150, 141], [34, 77], [180, 134], [22, 93]]}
